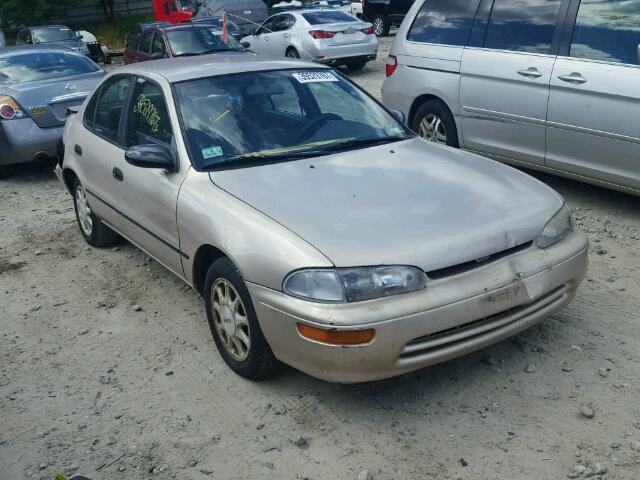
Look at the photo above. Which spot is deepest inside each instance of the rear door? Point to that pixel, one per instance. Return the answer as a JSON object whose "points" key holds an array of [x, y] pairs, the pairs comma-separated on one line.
{"points": [[594, 104], [100, 144], [504, 85]]}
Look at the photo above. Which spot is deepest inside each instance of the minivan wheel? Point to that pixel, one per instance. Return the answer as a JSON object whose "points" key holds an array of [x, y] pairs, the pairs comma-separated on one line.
{"points": [[234, 324], [434, 122], [292, 53], [381, 26], [96, 233]]}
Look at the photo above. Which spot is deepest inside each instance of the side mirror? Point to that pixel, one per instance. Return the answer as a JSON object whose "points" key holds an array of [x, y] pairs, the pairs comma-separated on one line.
{"points": [[151, 156], [398, 115], [246, 44], [157, 56]]}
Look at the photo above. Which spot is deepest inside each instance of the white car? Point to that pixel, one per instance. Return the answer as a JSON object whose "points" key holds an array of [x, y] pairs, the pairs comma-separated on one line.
{"points": [[356, 8], [325, 36]]}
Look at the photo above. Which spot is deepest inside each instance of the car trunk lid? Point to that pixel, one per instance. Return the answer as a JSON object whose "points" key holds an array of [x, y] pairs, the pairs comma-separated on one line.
{"points": [[344, 33]]}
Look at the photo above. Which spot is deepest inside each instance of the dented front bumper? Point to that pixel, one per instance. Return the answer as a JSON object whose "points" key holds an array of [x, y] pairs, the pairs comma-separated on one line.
{"points": [[451, 317]]}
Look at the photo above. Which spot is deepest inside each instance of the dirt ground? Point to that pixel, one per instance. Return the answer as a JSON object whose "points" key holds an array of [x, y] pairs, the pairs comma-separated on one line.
{"points": [[108, 368]]}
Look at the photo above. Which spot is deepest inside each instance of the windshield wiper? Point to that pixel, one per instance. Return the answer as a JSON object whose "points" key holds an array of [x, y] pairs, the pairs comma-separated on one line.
{"points": [[350, 144], [253, 159]]}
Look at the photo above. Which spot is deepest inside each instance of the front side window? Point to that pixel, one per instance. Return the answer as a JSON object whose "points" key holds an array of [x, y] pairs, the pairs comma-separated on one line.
{"points": [[445, 22], [104, 112], [146, 42], [607, 30], [268, 26], [522, 25], [271, 116], [31, 67], [148, 118], [158, 46]]}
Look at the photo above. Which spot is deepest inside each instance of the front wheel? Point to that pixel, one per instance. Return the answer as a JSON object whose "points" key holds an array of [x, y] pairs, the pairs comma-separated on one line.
{"points": [[434, 122], [96, 233], [234, 324], [381, 25]]}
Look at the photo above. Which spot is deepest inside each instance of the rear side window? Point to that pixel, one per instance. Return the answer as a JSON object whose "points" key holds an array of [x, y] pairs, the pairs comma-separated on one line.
{"points": [[522, 25], [319, 18], [607, 30], [104, 111], [445, 22], [145, 43]]}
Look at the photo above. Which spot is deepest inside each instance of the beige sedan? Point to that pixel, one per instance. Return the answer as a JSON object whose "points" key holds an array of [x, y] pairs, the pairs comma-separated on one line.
{"points": [[320, 231]]}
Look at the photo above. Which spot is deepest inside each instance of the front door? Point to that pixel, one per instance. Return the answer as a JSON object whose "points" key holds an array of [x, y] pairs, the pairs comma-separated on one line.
{"points": [[594, 104], [147, 198], [504, 85]]}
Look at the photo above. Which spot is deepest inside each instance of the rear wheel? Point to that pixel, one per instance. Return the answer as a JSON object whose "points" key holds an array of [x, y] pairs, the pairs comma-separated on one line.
{"points": [[381, 25], [434, 122], [292, 53], [234, 324], [96, 233], [356, 66]]}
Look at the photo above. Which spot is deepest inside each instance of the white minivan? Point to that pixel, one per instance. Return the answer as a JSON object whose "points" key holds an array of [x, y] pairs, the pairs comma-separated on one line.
{"points": [[552, 85]]}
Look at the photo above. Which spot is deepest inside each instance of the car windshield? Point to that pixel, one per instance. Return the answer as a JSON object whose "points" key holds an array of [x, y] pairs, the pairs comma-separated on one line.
{"points": [[319, 18], [280, 115], [198, 41], [57, 34], [30, 67]]}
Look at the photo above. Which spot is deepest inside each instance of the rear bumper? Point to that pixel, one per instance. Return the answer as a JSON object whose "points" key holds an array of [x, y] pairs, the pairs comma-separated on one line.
{"points": [[452, 317], [341, 54], [22, 141], [347, 60]]}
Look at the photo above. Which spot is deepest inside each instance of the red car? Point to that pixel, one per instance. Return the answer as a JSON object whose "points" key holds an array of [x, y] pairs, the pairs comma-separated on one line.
{"points": [[158, 40]]}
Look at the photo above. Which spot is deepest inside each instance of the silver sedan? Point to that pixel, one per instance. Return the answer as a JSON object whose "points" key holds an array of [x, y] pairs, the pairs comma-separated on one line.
{"points": [[325, 36], [37, 85], [320, 231]]}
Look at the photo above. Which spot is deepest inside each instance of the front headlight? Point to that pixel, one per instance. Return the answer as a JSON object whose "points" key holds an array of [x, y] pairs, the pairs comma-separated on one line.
{"points": [[341, 285], [560, 225]]}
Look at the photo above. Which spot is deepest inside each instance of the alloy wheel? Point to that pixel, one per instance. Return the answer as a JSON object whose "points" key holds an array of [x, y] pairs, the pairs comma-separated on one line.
{"points": [[378, 25], [432, 128], [84, 211], [230, 319]]}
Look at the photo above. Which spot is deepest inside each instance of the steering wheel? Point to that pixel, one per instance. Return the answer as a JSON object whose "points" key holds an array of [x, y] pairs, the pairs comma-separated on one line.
{"points": [[317, 123]]}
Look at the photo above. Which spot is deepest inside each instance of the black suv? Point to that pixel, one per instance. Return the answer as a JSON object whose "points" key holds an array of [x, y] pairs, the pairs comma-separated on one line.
{"points": [[385, 13]]}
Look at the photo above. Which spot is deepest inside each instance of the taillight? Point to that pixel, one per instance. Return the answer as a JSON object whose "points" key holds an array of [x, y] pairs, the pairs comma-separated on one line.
{"points": [[369, 31], [318, 34], [391, 65], [10, 109]]}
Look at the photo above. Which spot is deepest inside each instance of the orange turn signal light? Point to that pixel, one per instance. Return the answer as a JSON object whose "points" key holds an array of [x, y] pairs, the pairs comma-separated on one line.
{"points": [[336, 337]]}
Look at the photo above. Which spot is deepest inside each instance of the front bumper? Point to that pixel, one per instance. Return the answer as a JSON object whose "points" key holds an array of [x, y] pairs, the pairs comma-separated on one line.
{"points": [[22, 141], [452, 317]]}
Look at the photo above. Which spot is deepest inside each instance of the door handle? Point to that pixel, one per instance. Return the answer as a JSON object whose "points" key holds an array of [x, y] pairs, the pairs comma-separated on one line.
{"points": [[78, 149], [575, 77], [117, 174], [285, 35], [531, 72]]}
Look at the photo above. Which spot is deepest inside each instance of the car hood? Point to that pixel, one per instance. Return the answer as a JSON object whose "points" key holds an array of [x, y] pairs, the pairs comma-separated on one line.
{"points": [[410, 203]]}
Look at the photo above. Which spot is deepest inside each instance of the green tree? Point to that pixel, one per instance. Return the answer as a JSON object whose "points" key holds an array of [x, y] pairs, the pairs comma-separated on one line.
{"points": [[20, 13]]}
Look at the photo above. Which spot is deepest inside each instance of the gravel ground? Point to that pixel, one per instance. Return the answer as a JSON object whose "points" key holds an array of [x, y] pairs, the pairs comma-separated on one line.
{"points": [[107, 368]]}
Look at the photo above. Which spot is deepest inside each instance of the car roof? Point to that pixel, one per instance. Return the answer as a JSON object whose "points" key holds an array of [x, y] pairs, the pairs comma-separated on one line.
{"points": [[42, 48], [189, 68]]}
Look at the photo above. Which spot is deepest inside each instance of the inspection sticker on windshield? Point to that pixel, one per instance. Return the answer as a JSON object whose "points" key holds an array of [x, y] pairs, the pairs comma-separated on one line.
{"points": [[211, 152], [309, 77]]}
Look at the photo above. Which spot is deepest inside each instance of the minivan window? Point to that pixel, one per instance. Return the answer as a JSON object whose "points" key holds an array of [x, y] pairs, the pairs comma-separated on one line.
{"points": [[607, 30], [446, 22], [522, 25]]}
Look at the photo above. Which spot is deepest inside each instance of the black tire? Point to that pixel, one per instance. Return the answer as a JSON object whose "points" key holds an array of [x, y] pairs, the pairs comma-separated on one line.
{"points": [[260, 361], [292, 53], [352, 67], [107, 60], [440, 110], [99, 235], [382, 25]]}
